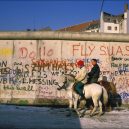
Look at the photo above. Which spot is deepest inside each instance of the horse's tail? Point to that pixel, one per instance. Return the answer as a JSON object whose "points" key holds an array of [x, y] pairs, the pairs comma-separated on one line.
{"points": [[104, 96]]}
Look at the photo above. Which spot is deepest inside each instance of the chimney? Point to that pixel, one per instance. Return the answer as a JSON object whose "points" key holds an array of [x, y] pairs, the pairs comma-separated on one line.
{"points": [[125, 7]]}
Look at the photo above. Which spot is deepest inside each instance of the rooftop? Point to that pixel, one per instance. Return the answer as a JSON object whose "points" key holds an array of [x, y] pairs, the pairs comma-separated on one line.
{"points": [[81, 27], [112, 18]]}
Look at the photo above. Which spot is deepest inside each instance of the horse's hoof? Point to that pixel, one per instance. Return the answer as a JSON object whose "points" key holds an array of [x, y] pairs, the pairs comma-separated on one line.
{"points": [[100, 114], [81, 115], [91, 115]]}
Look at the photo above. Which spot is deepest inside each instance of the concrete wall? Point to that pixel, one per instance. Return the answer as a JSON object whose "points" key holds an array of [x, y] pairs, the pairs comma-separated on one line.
{"points": [[30, 69]]}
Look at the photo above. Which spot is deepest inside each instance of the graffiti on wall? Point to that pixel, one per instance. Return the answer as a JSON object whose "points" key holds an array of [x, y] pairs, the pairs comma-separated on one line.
{"points": [[33, 67]]}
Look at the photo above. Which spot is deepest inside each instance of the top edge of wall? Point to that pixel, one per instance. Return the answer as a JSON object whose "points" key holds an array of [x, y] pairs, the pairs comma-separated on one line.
{"points": [[60, 35]]}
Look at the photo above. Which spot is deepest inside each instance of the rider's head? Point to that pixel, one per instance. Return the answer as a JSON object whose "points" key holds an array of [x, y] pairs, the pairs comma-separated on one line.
{"points": [[80, 63], [94, 62]]}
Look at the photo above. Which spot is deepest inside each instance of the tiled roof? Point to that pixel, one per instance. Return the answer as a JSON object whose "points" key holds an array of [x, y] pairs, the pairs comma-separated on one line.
{"points": [[79, 27], [92, 26]]}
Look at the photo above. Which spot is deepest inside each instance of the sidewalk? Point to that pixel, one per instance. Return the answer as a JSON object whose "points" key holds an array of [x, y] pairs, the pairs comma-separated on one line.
{"points": [[26, 117]]}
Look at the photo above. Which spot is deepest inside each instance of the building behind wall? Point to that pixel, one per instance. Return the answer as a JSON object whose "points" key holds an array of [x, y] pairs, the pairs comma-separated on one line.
{"points": [[108, 23], [115, 23]]}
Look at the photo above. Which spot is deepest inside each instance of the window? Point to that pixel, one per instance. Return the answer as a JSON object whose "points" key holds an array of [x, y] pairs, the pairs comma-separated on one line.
{"points": [[109, 27], [115, 28]]}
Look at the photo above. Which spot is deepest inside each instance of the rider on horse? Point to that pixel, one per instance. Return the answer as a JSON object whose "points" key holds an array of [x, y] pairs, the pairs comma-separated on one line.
{"points": [[81, 78], [93, 75]]}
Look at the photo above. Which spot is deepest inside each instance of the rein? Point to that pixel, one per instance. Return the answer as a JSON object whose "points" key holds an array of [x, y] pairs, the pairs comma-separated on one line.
{"points": [[64, 83]]}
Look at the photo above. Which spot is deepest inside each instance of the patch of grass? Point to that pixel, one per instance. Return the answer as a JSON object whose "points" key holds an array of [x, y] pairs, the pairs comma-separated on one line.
{"points": [[51, 102], [23, 102], [125, 105]]}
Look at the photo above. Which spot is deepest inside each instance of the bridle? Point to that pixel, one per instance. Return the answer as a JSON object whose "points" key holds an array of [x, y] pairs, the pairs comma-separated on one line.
{"points": [[63, 86], [65, 82]]}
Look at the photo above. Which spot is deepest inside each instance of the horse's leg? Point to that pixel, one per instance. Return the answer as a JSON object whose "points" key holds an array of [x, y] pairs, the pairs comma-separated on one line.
{"points": [[75, 103], [101, 108], [70, 107], [83, 113], [69, 93], [95, 101], [70, 103]]}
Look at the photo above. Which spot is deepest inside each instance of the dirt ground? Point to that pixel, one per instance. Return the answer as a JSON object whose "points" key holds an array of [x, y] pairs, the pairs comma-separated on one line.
{"points": [[28, 117]]}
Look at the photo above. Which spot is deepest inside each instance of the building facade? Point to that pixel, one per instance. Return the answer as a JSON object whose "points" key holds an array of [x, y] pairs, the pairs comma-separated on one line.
{"points": [[115, 23], [107, 23]]}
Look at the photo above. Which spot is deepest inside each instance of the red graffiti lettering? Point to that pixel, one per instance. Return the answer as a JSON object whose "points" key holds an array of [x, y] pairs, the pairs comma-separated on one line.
{"points": [[75, 48], [45, 52], [32, 55], [127, 49], [91, 49], [110, 51], [106, 50], [50, 52], [119, 51], [82, 50], [23, 52], [102, 49]]}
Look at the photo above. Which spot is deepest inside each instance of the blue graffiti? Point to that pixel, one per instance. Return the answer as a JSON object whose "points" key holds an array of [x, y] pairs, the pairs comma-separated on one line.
{"points": [[124, 95], [123, 69]]}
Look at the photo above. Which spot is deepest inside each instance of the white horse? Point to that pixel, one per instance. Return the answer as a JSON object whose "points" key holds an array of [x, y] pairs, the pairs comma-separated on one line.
{"points": [[94, 91]]}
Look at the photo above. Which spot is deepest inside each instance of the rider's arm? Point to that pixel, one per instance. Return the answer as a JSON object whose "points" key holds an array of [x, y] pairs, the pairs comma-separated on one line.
{"points": [[92, 72]]}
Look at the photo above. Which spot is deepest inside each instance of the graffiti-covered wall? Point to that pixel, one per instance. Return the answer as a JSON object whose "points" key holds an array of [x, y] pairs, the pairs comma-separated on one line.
{"points": [[31, 68]]}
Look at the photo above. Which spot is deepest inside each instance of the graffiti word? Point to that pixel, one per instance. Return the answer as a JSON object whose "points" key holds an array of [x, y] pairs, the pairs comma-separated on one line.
{"points": [[87, 50], [24, 52], [53, 64], [3, 64], [116, 59], [123, 82], [124, 95], [114, 50], [123, 69], [83, 51], [24, 88], [119, 65]]}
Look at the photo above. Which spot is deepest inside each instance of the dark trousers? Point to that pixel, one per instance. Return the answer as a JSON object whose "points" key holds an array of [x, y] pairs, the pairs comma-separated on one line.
{"points": [[78, 86]]}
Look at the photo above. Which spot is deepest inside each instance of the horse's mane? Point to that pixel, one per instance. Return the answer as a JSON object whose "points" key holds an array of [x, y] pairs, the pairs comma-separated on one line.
{"points": [[71, 77]]}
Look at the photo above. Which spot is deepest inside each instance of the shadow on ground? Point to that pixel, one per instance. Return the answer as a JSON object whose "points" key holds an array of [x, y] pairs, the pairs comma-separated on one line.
{"points": [[24, 117]]}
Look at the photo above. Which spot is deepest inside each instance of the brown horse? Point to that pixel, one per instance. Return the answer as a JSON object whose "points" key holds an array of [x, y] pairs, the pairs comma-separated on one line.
{"points": [[114, 97]]}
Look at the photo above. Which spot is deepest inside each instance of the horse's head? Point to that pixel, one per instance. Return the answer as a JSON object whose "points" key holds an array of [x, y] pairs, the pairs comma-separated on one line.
{"points": [[65, 81]]}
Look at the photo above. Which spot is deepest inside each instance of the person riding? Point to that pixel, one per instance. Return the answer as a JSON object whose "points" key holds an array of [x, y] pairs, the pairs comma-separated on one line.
{"points": [[94, 74], [80, 78]]}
